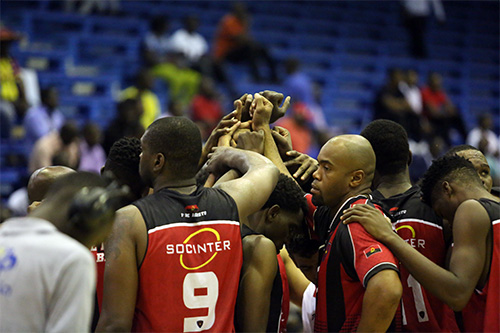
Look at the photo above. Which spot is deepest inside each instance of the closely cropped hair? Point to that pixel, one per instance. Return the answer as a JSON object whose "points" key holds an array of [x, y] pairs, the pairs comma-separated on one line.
{"points": [[459, 148], [390, 144], [288, 195], [123, 161], [179, 140], [302, 246], [447, 168]]}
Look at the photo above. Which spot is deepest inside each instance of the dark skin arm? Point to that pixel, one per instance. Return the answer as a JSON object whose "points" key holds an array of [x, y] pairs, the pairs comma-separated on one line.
{"points": [[260, 267], [454, 286], [124, 250]]}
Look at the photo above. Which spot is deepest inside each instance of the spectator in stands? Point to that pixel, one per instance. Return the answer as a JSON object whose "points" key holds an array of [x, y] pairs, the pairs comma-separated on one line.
{"points": [[56, 148], [12, 98], [87, 7], [234, 43], [415, 15], [206, 108], [143, 90], [483, 137], [125, 124], [299, 126], [194, 48], [440, 111], [391, 104], [156, 45], [92, 155], [43, 119], [297, 84]]}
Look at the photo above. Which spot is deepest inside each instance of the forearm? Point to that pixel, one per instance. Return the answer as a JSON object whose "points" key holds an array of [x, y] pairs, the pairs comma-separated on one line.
{"points": [[442, 283], [272, 153]]}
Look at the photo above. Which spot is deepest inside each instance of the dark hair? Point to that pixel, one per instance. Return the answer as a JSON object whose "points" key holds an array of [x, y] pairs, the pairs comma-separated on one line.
{"points": [[179, 140], [390, 144], [68, 133], [459, 148], [158, 22], [302, 246], [123, 161], [288, 195], [445, 168]]}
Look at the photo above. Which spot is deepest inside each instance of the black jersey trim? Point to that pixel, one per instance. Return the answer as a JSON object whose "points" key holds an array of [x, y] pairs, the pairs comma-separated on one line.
{"points": [[377, 269]]}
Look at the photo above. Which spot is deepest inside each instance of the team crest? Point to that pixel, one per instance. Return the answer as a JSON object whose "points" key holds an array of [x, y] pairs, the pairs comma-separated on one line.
{"points": [[371, 250]]}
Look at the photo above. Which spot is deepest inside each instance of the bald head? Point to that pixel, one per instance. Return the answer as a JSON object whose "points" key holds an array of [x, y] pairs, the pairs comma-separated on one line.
{"points": [[355, 152], [41, 180]]}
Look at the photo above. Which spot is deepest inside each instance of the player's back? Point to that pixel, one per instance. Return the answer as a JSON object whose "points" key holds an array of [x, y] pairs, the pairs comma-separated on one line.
{"points": [[188, 280], [419, 226]]}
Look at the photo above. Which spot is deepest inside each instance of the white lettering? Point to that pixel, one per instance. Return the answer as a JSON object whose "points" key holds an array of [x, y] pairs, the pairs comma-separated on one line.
{"points": [[100, 257], [421, 243], [218, 246], [416, 242]]}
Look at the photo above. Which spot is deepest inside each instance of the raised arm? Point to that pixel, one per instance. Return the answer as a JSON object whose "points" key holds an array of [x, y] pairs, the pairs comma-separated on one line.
{"points": [[121, 271], [454, 286], [259, 177]]}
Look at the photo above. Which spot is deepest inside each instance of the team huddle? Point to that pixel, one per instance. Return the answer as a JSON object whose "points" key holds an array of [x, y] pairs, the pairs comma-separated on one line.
{"points": [[223, 237]]}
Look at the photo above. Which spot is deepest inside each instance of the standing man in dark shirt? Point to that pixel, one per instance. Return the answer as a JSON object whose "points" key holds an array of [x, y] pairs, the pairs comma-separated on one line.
{"points": [[182, 236], [414, 221]]}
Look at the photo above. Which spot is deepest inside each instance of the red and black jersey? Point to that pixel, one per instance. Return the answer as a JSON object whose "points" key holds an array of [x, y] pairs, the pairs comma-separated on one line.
{"points": [[188, 280], [98, 252], [351, 257], [482, 313], [280, 295], [419, 226]]}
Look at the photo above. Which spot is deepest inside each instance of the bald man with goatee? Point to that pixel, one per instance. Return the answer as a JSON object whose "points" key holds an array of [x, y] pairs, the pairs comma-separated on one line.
{"points": [[358, 284]]}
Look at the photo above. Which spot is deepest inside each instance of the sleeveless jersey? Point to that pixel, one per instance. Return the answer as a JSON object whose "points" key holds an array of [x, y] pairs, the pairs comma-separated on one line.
{"points": [[98, 253], [482, 313], [351, 257], [188, 280], [280, 296], [419, 226]]}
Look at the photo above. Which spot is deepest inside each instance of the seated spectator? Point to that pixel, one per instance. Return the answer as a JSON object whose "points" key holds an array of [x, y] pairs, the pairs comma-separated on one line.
{"points": [[92, 155], [206, 108], [392, 104], [13, 103], [483, 137], [56, 148], [234, 43], [298, 124], [297, 84], [156, 45], [440, 111], [194, 48], [41, 120], [125, 124], [143, 90]]}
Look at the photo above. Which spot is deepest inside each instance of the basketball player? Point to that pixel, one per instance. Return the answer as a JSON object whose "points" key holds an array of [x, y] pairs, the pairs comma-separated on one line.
{"points": [[472, 283], [167, 258], [414, 221], [478, 160], [355, 267], [40, 181]]}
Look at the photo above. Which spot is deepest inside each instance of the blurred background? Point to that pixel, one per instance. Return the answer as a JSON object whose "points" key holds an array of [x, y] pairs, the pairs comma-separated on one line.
{"points": [[78, 75]]}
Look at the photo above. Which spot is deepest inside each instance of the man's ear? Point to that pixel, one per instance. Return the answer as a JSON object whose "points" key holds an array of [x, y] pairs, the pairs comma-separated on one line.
{"points": [[159, 162], [410, 157], [272, 213], [447, 188], [357, 178]]}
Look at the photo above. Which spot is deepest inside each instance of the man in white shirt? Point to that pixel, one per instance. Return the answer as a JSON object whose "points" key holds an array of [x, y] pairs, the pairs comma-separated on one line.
{"points": [[189, 42], [47, 273]]}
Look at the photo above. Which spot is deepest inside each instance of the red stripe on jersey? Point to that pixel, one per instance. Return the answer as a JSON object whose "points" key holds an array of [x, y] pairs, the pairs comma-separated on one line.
{"points": [[285, 302]]}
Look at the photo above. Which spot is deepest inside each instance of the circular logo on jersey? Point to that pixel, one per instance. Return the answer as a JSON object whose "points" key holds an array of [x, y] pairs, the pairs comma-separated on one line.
{"points": [[413, 234], [203, 246]]}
